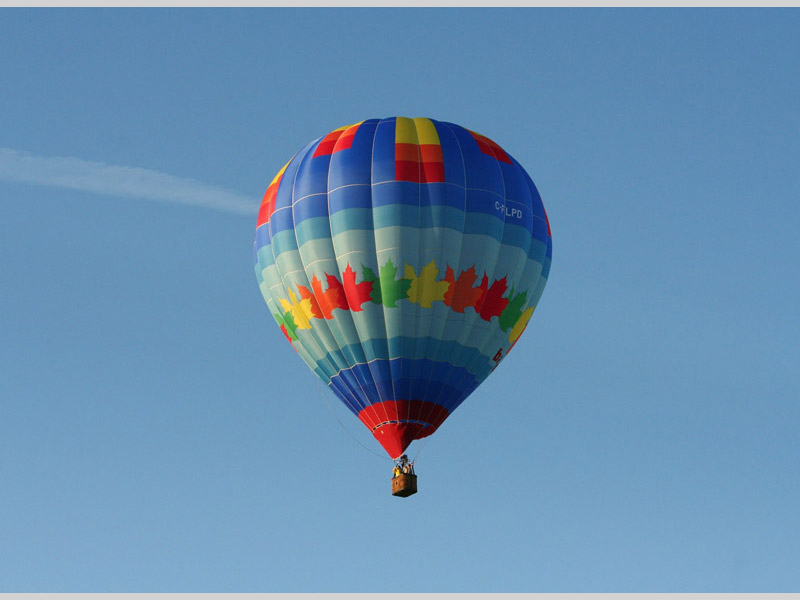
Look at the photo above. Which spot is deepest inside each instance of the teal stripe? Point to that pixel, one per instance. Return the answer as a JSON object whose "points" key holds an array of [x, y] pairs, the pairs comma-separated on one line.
{"points": [[392, 215], [316, 228], [352, 218], [265, 257], [284, 242], [475, 359], [412, 217]]}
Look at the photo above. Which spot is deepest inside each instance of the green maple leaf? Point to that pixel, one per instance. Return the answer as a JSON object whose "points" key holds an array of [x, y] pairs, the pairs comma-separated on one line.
{"points": [[513, 311], [369, 275], [291, 327], [392, 289]]}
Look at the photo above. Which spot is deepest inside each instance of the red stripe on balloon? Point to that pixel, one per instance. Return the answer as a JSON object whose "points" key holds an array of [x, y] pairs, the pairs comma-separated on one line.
{"points": [[397, 423]]}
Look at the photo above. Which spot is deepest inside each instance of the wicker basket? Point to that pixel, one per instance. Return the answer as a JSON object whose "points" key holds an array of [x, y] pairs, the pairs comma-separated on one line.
{"points": [[404, 485]]}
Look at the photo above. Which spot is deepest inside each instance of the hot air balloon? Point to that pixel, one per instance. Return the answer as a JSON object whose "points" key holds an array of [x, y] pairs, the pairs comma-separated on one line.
{"points": [[402, 259]]}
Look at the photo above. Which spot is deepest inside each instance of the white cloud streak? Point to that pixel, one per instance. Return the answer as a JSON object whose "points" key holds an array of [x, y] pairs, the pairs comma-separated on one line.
{"points": [[130, 182]]}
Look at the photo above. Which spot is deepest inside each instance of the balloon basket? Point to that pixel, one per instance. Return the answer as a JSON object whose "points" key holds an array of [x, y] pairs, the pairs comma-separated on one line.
{"points": [[404, 485]]}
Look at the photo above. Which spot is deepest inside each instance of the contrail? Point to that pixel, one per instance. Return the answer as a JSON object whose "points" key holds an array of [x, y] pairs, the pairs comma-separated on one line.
{"points": [[132, 182]]}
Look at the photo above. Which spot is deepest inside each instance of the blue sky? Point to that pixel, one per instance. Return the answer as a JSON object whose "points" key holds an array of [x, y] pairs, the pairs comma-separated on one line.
{"points": [[158, 434]]}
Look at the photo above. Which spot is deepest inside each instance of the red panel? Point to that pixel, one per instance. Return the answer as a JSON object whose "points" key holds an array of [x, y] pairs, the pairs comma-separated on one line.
{"points": [[263, 214], [406, 152], [405, 170], [267, 204], [367, 416], [328, 142], [483, 146], [430, 153], [399, 430], [396, 437], [499, 153], [345, 140], [325, 147], [341, 139], [432, 172], [487, 146], [548, 222], [418, 163], [343, 143]]}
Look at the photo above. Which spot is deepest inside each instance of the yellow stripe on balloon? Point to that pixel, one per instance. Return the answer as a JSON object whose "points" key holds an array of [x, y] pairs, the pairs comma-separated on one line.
{"points": [[426, 131]]}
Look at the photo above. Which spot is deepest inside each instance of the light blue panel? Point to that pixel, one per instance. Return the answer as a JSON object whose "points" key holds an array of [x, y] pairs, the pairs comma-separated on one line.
{"points": [[351, 218], [318, 249], [481, 252], [441, 244], [348, 242], [313, 229], [264, 256], [282, 243], [393, 215], [442, 216], [516, 235]]}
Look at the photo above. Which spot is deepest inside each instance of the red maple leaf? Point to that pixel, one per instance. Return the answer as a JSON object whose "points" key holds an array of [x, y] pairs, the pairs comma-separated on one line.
{"points": [[333, 297], [461, 293], [494, 303], [356, 293]]}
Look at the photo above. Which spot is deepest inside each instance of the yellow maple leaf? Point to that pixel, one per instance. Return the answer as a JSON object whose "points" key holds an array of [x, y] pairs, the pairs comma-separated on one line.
{"points": [[520, 325], [425, 290], [301, 311]]}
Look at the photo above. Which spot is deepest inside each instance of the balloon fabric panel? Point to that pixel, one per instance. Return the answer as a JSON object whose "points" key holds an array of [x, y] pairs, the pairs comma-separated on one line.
{"points": [[402, 259]]}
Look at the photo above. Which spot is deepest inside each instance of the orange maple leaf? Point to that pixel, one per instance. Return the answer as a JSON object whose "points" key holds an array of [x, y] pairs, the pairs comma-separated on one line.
{"points": [[461, 293], [331, 298]]}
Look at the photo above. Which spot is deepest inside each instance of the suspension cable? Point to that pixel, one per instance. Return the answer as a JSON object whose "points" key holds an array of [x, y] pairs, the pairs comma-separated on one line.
{"points": [[319, 387]]}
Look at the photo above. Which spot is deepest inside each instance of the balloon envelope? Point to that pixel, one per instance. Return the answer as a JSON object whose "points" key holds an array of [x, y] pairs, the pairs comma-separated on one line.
{"points": [[402, 259]]}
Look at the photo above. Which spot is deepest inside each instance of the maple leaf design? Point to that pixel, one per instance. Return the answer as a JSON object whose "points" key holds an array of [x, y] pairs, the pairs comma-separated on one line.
{"points": [[281, 321], [449, 277], [333, 297], [288, 335], [519, 326], [461, 293], [313, 305], [392, 289], [300, 310], [513, 310], [290, 326], [375, 285], [494, 303], [286, 323], [425, 290], [355, 294]]}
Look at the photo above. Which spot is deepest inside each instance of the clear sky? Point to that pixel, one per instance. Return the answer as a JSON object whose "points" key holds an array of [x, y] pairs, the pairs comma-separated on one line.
{"points": [[157, 433]]}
